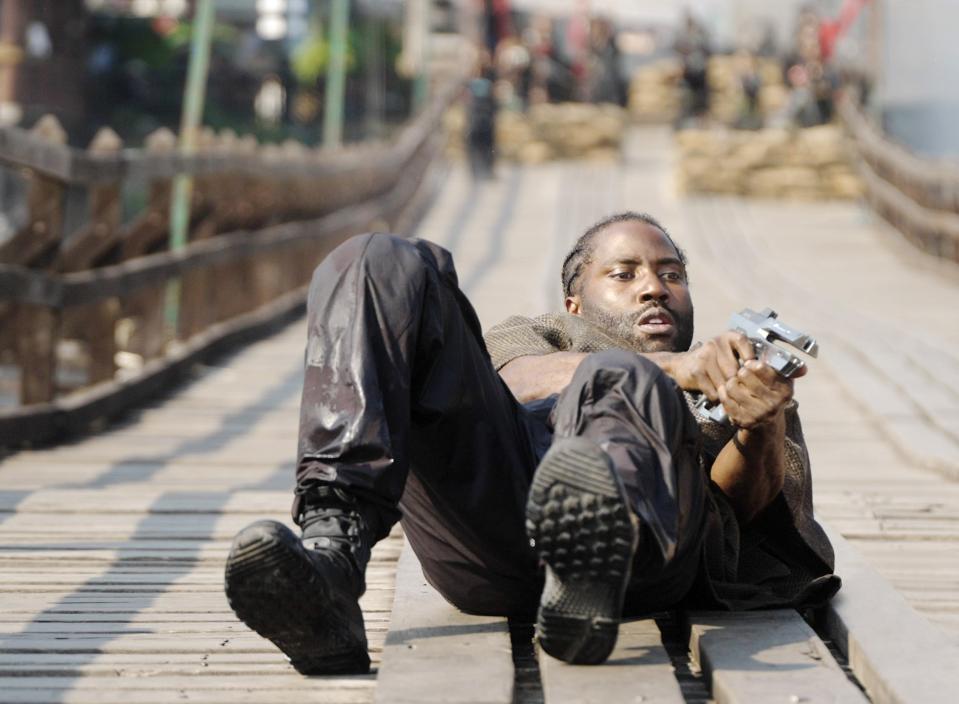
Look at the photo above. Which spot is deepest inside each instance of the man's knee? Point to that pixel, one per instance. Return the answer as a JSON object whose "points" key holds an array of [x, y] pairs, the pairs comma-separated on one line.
{"points": [[622, 364], [377, 254], [629, 374]]}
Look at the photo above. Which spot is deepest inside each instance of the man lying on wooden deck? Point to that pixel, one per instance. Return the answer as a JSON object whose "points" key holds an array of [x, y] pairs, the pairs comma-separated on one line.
{"points": [[556, 464]]}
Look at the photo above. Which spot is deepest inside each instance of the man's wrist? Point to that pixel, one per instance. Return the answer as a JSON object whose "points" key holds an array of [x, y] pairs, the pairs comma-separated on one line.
{"points": [[760, 433]]}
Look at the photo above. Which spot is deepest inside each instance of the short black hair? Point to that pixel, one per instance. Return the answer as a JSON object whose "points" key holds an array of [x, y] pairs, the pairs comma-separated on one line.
{"points": [[581, 253]]}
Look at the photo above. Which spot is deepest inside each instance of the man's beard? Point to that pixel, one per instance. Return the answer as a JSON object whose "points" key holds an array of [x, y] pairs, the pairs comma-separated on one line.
{"points": [[623, 327]]}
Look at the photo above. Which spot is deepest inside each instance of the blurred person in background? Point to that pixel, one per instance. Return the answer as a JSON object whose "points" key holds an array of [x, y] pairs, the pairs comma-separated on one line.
{"points": [[481, 126], [692, 47], [605, 82], [747, 67], [809, 73], [550, 78], [511, 63]]}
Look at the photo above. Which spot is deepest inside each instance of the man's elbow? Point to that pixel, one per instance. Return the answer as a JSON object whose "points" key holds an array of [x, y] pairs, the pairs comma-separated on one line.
{"points": [[757, 502]]}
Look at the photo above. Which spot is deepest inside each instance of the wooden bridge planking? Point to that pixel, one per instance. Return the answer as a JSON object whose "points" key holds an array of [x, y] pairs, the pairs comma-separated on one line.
{"points": [[437, 654], [764, 657], [638, 670]]}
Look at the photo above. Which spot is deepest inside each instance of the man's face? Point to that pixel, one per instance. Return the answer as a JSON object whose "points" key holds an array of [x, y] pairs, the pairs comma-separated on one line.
{"points": [[634, 287]]}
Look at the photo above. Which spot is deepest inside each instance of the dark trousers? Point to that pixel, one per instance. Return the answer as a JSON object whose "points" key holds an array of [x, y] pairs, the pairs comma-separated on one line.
{"points": [[402, 408]]}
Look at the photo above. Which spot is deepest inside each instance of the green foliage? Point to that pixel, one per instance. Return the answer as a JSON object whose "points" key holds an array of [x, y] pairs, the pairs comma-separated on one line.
{"points": [[312, 54], [310, 59], [223, 36]]}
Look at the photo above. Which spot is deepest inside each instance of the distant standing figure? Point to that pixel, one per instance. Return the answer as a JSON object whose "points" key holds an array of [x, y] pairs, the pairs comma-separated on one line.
{"points": [[481, 130], [692, 46]]}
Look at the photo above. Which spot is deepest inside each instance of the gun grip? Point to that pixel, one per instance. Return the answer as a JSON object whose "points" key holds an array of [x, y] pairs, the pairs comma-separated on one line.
{"points": [[713, 411]]}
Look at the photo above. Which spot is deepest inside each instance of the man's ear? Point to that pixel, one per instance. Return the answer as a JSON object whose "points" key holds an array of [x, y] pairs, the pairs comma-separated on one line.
{"points": [[573, 306]]}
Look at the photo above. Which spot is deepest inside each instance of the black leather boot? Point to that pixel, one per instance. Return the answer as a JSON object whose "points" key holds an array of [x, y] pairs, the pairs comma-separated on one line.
{"points": [[303, 594]]}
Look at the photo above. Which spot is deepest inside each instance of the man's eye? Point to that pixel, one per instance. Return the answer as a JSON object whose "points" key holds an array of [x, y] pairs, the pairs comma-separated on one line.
{"points": [[672, 276], [622, 275]]}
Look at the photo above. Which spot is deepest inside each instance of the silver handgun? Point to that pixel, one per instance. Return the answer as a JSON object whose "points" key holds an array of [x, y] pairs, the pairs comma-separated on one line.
{"points": [[763, 330]]}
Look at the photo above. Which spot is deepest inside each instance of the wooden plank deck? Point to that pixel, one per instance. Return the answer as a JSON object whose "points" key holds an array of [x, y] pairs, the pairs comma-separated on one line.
{"points": [[639, 670], [767, 656], [436, 654], [112, 547]]}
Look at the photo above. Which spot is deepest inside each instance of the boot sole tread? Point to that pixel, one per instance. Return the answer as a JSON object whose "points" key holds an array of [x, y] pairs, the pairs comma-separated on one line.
{"points": [[579, 523]]}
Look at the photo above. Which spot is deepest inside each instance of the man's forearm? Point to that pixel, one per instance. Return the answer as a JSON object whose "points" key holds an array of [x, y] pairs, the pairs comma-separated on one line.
{"points": [[538, 376], [751, 467], [533, 377]]}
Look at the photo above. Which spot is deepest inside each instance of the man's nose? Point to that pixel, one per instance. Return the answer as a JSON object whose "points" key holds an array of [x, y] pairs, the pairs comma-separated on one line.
{"points": [[651, 288]]}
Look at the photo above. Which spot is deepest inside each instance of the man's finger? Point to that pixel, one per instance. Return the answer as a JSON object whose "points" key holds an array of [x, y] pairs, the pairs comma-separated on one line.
{"points": [[728, 361], [715, 373], [706, 385], [743, 347], [760, 370]]}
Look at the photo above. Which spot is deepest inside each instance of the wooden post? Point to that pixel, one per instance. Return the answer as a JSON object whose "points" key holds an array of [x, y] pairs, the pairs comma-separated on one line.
{"points": [[199, 298], [36, 244], [96, 243], [249, 211], [148, 232], [101, 245], [208, 196], [37, 334], [37, 328], [150, 229]]}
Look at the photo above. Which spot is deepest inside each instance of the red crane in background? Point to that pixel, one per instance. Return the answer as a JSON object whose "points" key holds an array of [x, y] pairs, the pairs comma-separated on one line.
{"points": [[831, 31]]}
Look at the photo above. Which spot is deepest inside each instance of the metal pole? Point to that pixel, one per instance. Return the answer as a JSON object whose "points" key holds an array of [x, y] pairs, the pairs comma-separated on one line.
{"points": [[336, 74], [422, 85], [190, 119], [375, 91], [415, 38]]}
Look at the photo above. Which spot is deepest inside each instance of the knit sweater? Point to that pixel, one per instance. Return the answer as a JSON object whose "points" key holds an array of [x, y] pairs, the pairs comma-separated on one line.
{"points": [[782, 557]]}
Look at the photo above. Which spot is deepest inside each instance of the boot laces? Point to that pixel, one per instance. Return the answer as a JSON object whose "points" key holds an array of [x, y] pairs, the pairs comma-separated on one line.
{"points": [[333, 527]]}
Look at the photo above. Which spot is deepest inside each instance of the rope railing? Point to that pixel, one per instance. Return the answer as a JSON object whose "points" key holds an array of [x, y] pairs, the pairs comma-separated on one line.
{"points": [[83, 312], [918, 196]]}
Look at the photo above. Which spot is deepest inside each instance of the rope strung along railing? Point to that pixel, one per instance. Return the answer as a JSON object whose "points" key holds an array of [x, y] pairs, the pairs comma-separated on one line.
{"points": [[919, 197], [261, 219]]}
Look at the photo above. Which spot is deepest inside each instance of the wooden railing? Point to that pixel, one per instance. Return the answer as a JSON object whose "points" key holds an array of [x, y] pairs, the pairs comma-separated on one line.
{"points": [[918, 196], [262, 217]]}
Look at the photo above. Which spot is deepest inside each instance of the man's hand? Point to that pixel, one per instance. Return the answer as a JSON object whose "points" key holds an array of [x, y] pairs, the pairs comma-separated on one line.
{"points": [[756, 394], [750, 469], [709, 366]]}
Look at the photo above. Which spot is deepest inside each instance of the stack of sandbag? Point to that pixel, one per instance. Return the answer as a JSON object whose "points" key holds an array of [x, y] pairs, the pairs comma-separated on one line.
{"points": [[771, 163], [654, 91], [725, 76], [563, 131], [549, 131]]}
